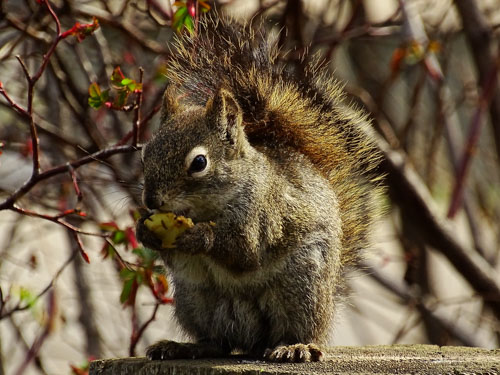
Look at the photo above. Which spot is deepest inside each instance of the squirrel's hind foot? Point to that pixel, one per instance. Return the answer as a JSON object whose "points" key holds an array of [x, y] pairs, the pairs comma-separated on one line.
{"points": [[294, 353], [165, 350]]}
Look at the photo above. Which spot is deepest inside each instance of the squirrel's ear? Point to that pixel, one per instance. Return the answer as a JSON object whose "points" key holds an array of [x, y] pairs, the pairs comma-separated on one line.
{"points": [[225, 114], [170, 103]]}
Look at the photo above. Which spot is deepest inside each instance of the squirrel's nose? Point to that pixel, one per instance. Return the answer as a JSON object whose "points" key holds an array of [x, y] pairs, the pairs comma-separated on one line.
{"points": [[151, 200]]}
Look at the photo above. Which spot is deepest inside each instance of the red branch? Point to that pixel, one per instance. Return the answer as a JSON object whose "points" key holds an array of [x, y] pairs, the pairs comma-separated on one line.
{"points": [[80, 247], [13, 104], [78, 192], [137, 116], [35, 179], [37, 175], [31, 85], [137, 332], [56, 219], [144, 121]]}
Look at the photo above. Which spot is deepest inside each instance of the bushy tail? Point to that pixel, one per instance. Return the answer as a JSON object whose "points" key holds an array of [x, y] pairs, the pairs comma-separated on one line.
{"points": [[309, 114]]}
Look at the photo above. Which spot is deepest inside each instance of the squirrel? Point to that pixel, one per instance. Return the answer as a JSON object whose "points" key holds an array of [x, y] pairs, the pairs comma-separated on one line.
{"points": [[284, 168]]}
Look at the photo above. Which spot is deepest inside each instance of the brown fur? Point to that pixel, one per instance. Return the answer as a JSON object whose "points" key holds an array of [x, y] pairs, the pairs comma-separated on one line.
{"points": [[289, 183]]}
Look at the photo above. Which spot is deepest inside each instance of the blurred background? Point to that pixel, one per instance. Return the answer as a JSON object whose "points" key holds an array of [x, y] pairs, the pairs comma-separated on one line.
{"points": [[85, 79]]}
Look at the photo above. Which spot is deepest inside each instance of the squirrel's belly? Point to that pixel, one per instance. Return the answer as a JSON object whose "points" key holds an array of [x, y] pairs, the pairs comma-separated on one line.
{"points": [[210, 313], [234, 321]]}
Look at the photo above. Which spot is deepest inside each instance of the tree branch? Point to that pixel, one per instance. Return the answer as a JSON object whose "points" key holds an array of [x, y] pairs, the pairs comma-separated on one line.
{"points": [[96, 156], [409, 296], [479, 35], [412, 196]]}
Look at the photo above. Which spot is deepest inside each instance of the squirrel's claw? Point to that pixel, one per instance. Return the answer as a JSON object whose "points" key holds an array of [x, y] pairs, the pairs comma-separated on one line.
{"points": [[294, 353]]}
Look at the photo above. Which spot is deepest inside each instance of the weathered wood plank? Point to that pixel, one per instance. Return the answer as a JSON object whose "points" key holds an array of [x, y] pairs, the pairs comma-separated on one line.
{"points": [[395, 359]]}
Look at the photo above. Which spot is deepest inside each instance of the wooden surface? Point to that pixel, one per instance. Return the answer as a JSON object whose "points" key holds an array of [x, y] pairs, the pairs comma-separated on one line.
{"points": [[395, 359]]}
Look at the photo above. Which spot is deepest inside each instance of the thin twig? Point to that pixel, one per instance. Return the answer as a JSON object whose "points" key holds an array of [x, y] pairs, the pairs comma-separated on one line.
{"points": [[481, 38], [79, 245], [410, 297], [122, 262], [137, 114], [31, 85], [74, 179], [52, 48], [24, 67], [128, 28], [413, 197], [141, 126], [37, 344], [37, 360], [96, 156], [55, 219], [138, 334], [12, 103], [472, 140], [49, 286]]}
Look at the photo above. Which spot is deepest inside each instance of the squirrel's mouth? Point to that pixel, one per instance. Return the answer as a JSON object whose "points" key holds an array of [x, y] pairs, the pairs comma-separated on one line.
{"points": [[177, 211], [184, 212]]}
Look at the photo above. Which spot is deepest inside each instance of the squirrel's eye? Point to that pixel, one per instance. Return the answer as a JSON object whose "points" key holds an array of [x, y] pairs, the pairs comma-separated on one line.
{"points": [[198, 164]]}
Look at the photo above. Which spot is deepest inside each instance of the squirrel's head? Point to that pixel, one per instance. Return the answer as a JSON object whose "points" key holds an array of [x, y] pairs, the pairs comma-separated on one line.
{"points": [[189, 163]]}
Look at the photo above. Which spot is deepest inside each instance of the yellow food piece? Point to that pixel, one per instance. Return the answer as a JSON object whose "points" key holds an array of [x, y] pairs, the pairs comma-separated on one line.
{"points": [[167, 227]]}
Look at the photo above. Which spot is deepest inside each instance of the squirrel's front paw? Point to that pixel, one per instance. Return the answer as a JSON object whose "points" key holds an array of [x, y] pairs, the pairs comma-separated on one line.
{"points": [[195, 240], [294, 353], [148, 238]]}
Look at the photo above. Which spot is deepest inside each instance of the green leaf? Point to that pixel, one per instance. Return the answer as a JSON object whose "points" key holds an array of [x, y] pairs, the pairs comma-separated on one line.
{"points": [[121, 98], [132, 86], [139, 277], [97, 98], [118, 237], [139, 252], [127, 274], [178, 20], [126, 81], [127, 288], [95, 103], [146, 256], [117, 77], [105, 95], [188, 23], [94, 90], [138, 86], [27, 297]]}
